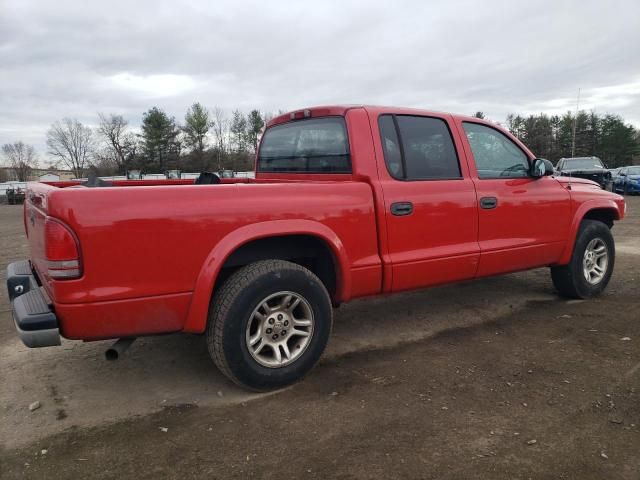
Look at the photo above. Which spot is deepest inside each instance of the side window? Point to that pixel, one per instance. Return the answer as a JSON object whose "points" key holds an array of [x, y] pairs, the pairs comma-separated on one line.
{"points": [[418, 148], [496, 156]]}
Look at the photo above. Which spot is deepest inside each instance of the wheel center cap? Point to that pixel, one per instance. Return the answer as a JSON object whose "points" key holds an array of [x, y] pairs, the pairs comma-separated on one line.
{"points": [[277, 324]]}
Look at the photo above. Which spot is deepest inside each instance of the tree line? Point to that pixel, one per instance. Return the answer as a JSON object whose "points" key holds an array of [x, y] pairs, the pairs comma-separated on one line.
{"points": [[209, 140], [606, 136]]}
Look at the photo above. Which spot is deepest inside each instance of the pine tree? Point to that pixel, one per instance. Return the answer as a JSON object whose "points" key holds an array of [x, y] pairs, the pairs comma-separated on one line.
{"points": [[255, 124], [159, 139], [196, 126]]}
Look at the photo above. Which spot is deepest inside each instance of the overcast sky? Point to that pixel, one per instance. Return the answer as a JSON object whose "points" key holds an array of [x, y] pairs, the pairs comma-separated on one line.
{"points": [[75, 59]]}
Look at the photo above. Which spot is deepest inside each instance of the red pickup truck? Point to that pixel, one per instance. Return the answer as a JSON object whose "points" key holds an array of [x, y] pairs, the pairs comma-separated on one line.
{"points": [[348, 202]]}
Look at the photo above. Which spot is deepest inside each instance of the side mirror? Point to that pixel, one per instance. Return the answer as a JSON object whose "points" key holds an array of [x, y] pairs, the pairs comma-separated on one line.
{"points": [[622, 174], [541, 167]]}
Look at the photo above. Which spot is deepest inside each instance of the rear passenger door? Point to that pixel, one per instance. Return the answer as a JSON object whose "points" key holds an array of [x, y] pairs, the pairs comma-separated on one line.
{"points": [[430, 202]]}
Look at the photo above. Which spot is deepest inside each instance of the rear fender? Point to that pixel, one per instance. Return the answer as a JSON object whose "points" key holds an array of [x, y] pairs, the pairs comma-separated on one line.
{"points": [[198, 311]]}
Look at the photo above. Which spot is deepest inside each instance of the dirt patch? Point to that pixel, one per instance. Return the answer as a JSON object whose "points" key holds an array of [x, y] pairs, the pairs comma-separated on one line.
{"points": [[455, 382]]}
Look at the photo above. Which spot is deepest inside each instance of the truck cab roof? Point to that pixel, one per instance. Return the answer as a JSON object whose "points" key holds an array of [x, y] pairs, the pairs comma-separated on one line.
{"points": [[341, 110]]}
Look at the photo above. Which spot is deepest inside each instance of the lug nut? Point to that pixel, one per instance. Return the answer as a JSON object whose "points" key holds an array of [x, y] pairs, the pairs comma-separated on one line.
{"points": [[271, 321], [286, 323], [279, 316], [284, 332], [269, 331], [275, 336]]}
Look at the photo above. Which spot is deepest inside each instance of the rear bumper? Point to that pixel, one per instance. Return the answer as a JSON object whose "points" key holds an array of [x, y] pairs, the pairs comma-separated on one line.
{"points": [[35, 321]]}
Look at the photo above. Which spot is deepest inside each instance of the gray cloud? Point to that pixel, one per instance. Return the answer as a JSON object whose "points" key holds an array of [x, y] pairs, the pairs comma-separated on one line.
{"points": [[77, 58]]}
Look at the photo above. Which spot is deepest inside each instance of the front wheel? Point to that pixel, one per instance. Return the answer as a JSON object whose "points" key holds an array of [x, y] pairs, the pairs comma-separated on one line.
{"points": [[591, 265], [269, 324]]}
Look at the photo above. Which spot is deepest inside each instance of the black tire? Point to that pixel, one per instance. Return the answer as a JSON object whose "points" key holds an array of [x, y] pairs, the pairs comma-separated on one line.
{"points": [[232, 309], [569, 279]]}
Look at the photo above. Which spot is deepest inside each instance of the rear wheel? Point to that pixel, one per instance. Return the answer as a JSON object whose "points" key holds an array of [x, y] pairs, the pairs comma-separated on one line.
{"points": [[269, 324], [591, 265]]}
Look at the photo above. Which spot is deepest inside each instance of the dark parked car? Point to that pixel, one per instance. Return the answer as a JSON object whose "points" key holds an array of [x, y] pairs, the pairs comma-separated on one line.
{"points": [[627, 181], [15, 196], [591, 168]]}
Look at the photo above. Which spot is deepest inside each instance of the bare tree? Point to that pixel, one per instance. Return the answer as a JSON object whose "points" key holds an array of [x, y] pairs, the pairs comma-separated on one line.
{"points": [[105, 161], [21, 158], [221, 134], [113, 130], [72, 143]]}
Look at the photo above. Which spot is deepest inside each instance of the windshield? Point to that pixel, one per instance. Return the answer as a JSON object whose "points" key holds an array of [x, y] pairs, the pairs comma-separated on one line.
{"points": [[316, 145], [586, 163], [633, 171]]}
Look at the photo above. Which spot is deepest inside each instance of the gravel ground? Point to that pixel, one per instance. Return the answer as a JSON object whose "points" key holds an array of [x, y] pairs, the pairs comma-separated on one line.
{"points": [[498, 378]]}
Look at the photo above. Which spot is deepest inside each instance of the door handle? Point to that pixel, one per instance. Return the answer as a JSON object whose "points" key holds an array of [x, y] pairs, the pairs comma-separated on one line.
{"points": [[402, 208], [488, 203]]}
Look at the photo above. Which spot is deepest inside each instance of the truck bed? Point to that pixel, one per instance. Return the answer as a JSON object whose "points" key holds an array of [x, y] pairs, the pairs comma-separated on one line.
{"points": [[143, 249]]}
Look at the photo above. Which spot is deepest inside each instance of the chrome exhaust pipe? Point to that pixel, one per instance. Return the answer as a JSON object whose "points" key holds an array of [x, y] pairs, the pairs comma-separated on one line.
{"points": [[118, 348]]}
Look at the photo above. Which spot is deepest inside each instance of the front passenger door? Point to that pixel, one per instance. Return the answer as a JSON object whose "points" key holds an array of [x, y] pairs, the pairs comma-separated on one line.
{"points": [[523, 221]]}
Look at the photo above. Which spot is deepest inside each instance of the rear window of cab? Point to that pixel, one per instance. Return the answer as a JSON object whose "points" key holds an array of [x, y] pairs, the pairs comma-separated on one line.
{"points": [[314, 145]]}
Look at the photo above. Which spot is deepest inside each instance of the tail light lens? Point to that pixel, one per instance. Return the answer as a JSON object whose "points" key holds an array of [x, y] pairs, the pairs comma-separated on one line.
{"points": [[61, 251]]}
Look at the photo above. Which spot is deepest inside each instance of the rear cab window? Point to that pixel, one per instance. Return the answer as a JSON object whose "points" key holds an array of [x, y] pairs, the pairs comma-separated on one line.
{"points": [[315, 145]]}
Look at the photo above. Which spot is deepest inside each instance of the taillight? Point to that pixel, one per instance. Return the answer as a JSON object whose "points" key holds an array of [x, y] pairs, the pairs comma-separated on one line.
{"points": [[61, 250]]}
